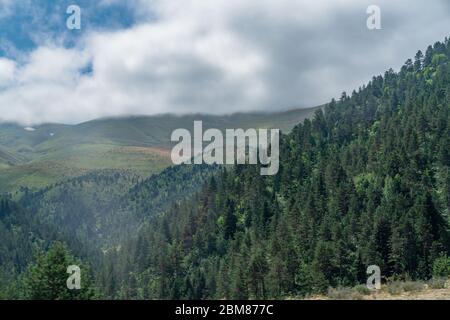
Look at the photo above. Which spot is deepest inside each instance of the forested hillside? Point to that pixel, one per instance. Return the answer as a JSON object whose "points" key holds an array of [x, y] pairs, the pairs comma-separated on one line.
{"points": [[103, 208], [93, 214], [22, 238], [367, 181]]}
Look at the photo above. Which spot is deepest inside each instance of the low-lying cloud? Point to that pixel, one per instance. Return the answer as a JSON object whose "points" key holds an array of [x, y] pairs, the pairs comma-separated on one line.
{"points": [[217, 57]]}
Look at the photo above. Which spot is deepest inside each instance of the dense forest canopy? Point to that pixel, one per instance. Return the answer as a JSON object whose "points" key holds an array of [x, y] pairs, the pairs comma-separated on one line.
{"points": [[365, 182]]}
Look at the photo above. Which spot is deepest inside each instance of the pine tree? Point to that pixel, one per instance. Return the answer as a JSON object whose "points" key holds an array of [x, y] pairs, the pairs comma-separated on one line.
{"points": [[47, 278]]}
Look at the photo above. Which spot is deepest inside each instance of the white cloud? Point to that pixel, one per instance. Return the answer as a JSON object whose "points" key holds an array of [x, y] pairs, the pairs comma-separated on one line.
{"points": [[217, 56], [7, 72]]}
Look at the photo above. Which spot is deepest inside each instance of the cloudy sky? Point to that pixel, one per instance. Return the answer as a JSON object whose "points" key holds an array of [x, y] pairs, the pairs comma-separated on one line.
{"points": [[212, 56]]}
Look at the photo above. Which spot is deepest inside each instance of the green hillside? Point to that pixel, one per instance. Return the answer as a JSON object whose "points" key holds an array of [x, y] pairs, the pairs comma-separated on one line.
{"points": [[50, 153]]}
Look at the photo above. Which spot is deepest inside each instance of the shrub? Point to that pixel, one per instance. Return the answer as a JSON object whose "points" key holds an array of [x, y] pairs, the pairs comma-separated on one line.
{"points": [[344, 294], [413, 286], [437, 283], [362, 289], [398, 287], [441, 267], [395, 288]]}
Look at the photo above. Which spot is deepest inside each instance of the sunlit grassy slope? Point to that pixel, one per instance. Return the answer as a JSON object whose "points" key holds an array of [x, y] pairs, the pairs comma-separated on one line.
{"points": [[38, 156]]}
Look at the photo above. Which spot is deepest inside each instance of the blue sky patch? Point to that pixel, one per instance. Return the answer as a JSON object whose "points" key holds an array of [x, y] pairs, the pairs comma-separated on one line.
{"points": [[24, 25]]}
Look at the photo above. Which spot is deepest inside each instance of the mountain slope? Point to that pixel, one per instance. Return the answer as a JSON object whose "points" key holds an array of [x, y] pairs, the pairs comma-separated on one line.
{"points": [[39, 156], [103, 208], [93, 214], [366, 182]]}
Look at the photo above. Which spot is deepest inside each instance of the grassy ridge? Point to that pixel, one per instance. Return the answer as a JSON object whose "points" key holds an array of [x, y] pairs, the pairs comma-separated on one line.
{"points": [[49, 153]]}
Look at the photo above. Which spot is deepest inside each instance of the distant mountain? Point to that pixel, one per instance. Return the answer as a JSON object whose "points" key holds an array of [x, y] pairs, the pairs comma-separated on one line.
{"points": [[34, 157]]}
